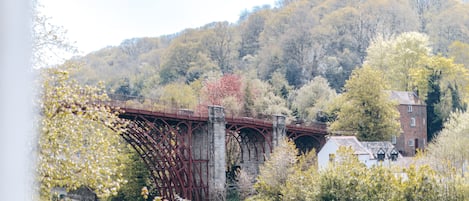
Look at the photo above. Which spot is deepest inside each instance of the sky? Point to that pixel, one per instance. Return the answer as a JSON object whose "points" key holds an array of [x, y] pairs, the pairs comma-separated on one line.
{"points": [[95, 24]]}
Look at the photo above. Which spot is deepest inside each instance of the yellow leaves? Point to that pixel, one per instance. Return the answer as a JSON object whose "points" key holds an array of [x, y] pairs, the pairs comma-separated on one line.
{"points": [[76, 145], [451, 75], [365, 108], [460, 52], [397, 56], [275, 171], [449, 152], [179, 95]]}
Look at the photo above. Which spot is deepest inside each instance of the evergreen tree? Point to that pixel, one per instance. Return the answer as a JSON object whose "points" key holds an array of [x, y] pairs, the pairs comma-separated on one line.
{"points": [[434, 121], [456, 102]]}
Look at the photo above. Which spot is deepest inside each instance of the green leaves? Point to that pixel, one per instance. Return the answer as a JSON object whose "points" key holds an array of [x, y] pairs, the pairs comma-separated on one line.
{"points": [[365, 108], [347, 179], [397, 56], [448, 154], [314, 98], [275, 172], [79, 139]]}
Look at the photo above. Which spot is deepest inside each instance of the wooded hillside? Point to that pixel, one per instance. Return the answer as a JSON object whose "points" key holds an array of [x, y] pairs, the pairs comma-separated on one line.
{"points": [[300, 39], [271, 53]]}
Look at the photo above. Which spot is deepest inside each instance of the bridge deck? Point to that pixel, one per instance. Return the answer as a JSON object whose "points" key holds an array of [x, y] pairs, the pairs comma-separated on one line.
{"points": [[317, 128]]}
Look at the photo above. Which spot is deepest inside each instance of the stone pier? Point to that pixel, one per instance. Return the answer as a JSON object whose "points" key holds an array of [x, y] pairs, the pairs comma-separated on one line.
{"points": [[217, 165], [278, 129]]}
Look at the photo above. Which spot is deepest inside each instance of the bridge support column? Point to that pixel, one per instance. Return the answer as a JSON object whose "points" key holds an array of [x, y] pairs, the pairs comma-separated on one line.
{"points": [[217, 134], [278, 131]]}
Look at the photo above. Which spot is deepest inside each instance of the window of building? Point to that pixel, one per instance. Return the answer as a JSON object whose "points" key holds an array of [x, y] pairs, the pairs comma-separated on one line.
{"points": [[393, 139], [409, 108], [424, 121], [411, 143], [331, 158], [412, 121]]}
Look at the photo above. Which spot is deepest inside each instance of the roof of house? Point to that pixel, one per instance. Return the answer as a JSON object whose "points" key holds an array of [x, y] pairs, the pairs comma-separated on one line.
{"points": [[374, 147], [406, 97], [349, 141]]}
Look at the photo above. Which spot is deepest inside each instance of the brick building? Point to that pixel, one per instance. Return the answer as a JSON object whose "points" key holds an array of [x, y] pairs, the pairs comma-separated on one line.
{"points": [[413, 118]]}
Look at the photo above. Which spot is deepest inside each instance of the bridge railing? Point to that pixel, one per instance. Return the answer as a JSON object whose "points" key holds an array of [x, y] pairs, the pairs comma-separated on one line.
{"points": [[157, 105], [151, 105], [201, 111]]}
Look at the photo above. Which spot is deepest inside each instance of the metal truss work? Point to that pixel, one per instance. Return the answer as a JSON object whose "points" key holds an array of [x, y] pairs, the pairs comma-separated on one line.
{"points": [[165, 147], [251, 139], [314, 136], [177, 147]]}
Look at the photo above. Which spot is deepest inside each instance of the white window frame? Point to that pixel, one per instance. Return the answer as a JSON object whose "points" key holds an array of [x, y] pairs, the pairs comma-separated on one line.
{"points": [[412, 122], [409, 108], [411, 143]]}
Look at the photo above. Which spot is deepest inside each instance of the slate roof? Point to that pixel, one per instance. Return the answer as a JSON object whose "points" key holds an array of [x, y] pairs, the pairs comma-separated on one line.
{"points": [[373, 147], [405, 97], [349, 141]]}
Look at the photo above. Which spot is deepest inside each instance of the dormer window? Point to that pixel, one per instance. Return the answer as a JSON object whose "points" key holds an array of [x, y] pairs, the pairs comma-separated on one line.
{"points": [[409, 108]]}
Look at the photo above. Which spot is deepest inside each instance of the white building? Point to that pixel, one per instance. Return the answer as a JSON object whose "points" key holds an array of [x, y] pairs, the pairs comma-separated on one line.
{"points": [[367, 152]]}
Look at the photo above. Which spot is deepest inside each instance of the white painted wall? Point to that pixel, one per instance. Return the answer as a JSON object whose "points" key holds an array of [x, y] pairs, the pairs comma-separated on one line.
{"points": [[331, 148], [323, 155]]}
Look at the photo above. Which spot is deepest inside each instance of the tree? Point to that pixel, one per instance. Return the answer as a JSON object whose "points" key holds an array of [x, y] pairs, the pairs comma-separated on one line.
{"points": [[449, 152], [286, 43], [275, 171], [137, 176], [396, 57], [179, 95], [448, 155], [49, 41], [340, 181], [313, 98], [443, 85], [248, 103], [421, 184], [266, 102], [408, 65], [187, 57], [219, 42], [434, 119], [449, 25], [218, 89], [426, 10], [366, 109], [460, 52], [250, 30], [280, 85], [303, 183], [79, 139]]}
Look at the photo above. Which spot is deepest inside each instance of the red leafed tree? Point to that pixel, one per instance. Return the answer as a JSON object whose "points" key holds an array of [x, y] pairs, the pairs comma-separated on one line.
{"points": [[217, 90]]}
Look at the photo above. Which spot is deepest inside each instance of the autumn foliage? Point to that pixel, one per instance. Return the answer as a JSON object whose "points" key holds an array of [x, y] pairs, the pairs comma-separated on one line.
{"points": [[217, 90]]}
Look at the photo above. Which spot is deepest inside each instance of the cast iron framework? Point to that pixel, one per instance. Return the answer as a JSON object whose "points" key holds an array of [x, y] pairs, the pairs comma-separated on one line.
{"points": [[165, 142]]}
